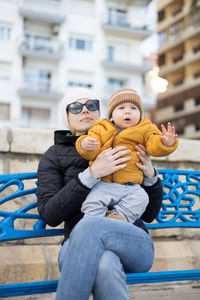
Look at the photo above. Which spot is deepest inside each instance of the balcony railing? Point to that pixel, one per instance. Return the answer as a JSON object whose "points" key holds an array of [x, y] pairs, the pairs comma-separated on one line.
{"points": [[117, 23], [39, 47], [39, 88]]}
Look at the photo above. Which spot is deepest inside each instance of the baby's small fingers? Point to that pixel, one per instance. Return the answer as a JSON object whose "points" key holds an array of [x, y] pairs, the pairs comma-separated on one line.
{"points": [[169, 126], [163, 128]]}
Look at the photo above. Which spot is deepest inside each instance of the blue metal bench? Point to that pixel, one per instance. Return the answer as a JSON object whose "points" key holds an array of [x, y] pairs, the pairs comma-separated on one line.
{"points": [[180, 208]]}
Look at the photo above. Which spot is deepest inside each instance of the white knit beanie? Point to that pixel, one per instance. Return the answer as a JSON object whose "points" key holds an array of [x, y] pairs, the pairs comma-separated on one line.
{"points": [[72, 96]]}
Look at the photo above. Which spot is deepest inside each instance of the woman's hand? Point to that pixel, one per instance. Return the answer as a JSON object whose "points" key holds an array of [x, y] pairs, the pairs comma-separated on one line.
{"points": [[110, 161], [146, 166]]}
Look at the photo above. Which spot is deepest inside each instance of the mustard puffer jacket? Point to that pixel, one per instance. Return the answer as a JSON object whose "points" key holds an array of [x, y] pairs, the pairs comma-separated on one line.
{"points": [[108, 135]]}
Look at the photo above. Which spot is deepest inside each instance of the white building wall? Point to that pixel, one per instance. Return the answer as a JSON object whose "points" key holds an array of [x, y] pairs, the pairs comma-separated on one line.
{"points": [[84, 21]]}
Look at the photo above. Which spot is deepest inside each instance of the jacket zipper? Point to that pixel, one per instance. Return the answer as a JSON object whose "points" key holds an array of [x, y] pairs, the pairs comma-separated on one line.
{"points": [[113, 146]]}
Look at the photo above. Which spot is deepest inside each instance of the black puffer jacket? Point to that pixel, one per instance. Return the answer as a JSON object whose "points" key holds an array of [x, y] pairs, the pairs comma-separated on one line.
{"points": [[61, 193]]}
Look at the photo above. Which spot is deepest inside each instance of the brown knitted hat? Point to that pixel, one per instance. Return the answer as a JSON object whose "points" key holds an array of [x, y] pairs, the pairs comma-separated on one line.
{"points": [[124, 95]]}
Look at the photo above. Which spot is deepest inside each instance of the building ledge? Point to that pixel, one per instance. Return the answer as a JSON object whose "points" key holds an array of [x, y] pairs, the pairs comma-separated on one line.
{"points": [[41, 16], [26, 92], [44, 54], [187, 84], [173, 67], [127, 31], [126, 66]]}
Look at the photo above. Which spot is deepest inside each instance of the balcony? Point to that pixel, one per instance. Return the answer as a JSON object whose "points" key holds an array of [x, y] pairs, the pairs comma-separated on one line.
{"points": [[41, 47], [179, 39], [126, 30], [187, 84], [173, 67], [36, 87], [125, 66], [49, 11], [116, 22]]}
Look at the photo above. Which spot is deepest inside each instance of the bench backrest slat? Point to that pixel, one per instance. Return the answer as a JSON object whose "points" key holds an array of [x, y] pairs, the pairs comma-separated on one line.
{"points": [[180, 207]]}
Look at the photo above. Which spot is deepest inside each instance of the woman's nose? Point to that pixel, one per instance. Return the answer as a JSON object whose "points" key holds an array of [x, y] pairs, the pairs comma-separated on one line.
{"points": [[84, 110]]}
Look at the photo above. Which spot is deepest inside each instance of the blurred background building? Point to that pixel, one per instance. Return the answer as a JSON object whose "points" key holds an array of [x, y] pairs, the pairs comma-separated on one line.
{"points": [[179, 63], [49, 46]]}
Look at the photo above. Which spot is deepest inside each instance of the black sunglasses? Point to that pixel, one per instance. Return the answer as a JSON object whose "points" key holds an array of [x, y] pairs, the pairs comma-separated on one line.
{"points": [[77, 107]]}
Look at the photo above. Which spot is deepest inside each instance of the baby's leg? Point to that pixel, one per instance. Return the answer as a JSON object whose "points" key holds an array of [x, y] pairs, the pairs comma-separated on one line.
{"points": [[133, 203], [98, 200]]}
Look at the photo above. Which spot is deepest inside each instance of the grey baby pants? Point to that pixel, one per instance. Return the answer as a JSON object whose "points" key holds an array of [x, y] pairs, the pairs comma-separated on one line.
{"points": [[127, 200]]}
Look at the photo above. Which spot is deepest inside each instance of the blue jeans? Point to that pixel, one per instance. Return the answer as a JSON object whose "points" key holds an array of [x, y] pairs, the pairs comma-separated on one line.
{"points": [[96, 256]]}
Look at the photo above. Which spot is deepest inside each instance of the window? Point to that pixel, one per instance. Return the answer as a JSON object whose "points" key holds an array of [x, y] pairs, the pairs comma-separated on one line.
{"points": [[117, 16], [31, 116], [79, 44], [178, 58], [161, 59], [178, 82], [110, 53], [79, 84], [179, 107], [115, 84], [161, 15], [38, 81], [162, 37], [197, 74], [196, 48], [177, 11], [195, 17], [4, 111], [197, 101], [197, 127], [176, 29], [37, 42], [5, 33]]}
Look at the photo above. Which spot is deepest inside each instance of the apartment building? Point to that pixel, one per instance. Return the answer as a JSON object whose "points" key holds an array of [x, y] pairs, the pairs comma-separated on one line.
{"points": [[49, 46], [179, 62]]}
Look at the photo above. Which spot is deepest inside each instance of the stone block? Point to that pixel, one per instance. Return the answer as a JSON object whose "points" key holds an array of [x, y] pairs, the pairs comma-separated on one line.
{"points": [[4, 145], [27, 164], [165, 233], [188, 150], [195, 246], [28, 263], [173, 255], [31, 140]]}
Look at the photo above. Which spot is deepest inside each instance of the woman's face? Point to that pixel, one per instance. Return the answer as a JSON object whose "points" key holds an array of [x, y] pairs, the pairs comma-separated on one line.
{"points": [[80, 123]]}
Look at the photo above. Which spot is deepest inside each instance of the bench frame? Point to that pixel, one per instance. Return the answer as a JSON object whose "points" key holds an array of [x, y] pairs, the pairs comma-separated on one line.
{"points": [[182, 189]]}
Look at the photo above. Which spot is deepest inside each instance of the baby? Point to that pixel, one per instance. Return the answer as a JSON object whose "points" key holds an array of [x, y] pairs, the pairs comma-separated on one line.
{"points": [[120, 194]]}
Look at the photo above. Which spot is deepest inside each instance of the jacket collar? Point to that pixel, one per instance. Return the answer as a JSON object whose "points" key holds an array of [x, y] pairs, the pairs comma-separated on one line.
{"points": [[64, 137]]}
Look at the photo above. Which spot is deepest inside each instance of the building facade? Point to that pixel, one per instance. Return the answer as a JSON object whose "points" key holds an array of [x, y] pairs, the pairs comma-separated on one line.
{"points": [[179, 63], [49, 46]]}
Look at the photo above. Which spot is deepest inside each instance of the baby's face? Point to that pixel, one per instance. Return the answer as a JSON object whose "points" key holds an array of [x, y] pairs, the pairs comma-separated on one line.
{"points": [[126, 115]]}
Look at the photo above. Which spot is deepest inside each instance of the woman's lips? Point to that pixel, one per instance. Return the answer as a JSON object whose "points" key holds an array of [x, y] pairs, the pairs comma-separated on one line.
{"points": [[86, 119]]}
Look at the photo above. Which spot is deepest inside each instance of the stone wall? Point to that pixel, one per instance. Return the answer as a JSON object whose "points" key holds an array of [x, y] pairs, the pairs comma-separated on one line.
{"points": [[36, 259]]}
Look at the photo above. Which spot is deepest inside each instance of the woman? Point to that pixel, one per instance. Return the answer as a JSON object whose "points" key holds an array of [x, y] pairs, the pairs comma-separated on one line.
{"points": [[98, 251]]}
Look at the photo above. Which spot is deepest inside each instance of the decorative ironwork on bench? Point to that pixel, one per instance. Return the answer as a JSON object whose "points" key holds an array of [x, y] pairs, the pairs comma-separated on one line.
{"points": [[8, 231], [180, 207], [181, 200]]}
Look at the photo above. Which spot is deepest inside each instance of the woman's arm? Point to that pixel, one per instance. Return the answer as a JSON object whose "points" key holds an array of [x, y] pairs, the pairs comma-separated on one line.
{"points": [[58, 202]]}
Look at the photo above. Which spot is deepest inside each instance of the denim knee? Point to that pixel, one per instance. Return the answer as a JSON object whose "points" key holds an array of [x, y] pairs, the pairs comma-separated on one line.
{"points": [[108, 265]]}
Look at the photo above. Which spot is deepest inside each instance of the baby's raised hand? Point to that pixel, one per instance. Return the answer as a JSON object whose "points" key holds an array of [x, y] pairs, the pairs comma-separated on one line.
{"points": [[89, 143], [169, 136]]}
